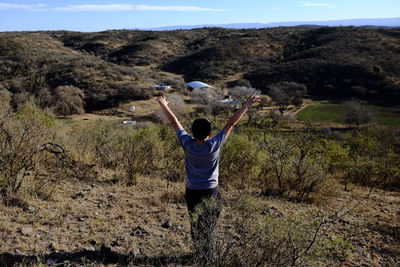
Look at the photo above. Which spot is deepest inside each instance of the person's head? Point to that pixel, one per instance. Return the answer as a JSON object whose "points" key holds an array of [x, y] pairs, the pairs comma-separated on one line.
{"points": [[201, 128]]}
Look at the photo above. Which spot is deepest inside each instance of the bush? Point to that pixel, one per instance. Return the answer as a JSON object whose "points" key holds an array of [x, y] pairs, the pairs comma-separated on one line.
{"points": [[69, 100], [356, 113], [240, 163], [26, 164], [373, 157], [262, 236], [296, 164], [131, 152], [177, 105], [287, 93], [176, 82], [242, 93], [140, 153], [5, 102]]}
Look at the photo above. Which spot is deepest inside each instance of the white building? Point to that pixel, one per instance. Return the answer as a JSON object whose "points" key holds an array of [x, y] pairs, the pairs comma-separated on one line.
{"points": [[198, 85]]}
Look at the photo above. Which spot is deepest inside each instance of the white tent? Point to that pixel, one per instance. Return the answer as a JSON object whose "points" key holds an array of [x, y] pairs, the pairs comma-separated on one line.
{"points": [[197, 84]]}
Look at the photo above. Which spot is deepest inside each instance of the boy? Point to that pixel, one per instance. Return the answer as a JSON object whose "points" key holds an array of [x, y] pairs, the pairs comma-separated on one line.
{"points": [[201, 167]]}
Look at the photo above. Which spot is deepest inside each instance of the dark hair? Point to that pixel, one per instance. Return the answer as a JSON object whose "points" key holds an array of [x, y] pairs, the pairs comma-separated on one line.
{"points": [[201, 128]]}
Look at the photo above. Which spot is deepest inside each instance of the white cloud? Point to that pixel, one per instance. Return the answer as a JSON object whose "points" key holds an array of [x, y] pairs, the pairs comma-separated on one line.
{"points": [[106, 8], [112, 7], [123, 7], [7, 6], [175, 8], [309, 4]]}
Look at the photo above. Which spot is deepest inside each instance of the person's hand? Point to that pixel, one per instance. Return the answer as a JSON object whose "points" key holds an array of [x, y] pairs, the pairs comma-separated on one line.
{"points": [[252, 99], [162, 100]]}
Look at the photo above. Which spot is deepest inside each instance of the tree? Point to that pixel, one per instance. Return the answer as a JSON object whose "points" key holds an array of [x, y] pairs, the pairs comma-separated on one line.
{"points": [[242, 93], [177, 104], [287, 93], [356, 113], [69, 100]]}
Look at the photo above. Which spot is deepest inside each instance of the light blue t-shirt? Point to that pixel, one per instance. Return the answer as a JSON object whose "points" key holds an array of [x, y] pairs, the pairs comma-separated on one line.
{"points": [[201, 161]]}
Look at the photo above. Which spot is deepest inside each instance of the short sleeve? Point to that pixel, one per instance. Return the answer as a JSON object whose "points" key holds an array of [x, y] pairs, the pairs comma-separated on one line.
{"points": [[218, 140], [182, 136]]}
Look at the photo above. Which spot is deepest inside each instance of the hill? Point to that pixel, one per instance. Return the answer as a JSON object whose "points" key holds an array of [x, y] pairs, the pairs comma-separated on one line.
{"points": [[377, 22], [112, 66], [35, 64], [336, 61]]}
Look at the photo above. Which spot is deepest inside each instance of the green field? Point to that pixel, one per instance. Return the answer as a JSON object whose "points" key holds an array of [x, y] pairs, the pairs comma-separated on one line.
{"points": [[389, 116]]}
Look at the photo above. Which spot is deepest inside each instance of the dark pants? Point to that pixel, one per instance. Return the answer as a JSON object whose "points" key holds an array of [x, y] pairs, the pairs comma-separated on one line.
{"points": [[204, 208]]}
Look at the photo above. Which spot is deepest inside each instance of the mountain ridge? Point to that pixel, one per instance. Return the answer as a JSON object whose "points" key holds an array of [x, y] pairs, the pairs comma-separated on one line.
{"points": [[369, 22]]}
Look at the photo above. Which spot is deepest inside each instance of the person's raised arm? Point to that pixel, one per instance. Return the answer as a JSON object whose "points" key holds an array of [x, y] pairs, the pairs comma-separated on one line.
{"points": [[168, 112], [239, 114]]}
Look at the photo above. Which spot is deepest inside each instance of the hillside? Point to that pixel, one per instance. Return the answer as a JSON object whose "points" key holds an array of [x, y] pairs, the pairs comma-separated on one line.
{"points": [[112, 66], [34, 64]]}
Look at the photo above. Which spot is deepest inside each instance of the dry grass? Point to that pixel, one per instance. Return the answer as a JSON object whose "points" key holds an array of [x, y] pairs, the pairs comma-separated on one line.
{"points": [[149, 222]]}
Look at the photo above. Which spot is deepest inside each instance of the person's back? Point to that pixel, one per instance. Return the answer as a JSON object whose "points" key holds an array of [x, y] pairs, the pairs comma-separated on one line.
{"points": [[202, 195], [201, 159]]}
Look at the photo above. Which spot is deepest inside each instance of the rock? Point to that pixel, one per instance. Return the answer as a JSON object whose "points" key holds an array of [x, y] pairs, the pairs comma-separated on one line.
{"points": [[92, 242], [166, 225], [136, 252], [139, 231], [81, 219], [90, 248], [27, 231], [17, 251], [111, 196], [31, 209], [78, 195]]}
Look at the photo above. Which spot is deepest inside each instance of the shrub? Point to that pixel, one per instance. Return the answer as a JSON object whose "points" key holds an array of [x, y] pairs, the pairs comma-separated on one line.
{"points": [[242, 93], [287, 93], [131, 152], [140, 153], [176, 82], [68, 100], [240, 163], [177, 105], [296, 163], [5, 102], [240, 82], [262, 236], [373, 157], [26, 163], [356, 113]]}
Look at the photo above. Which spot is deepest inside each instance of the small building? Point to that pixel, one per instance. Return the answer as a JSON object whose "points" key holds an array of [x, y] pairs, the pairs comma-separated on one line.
{"points": [[198, 85], [162, 87], [230, 102]]}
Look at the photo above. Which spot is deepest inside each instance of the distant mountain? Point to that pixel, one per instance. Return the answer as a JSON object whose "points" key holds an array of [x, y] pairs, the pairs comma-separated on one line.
{"points": [[380, 22]]}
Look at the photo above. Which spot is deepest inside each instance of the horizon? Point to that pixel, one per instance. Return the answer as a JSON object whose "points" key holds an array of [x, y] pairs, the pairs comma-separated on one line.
{"points": [[101, 15]]}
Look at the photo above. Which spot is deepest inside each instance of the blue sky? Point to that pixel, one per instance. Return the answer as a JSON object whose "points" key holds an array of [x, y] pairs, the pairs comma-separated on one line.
{"points": [[97, 15]]}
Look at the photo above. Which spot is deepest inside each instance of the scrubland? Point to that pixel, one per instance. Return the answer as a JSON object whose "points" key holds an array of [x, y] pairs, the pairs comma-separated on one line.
{"points": [[104, 193], [310, 177]]}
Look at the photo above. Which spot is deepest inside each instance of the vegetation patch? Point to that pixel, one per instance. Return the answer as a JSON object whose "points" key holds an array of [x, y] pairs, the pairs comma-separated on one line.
{"points": [[334, 113]]}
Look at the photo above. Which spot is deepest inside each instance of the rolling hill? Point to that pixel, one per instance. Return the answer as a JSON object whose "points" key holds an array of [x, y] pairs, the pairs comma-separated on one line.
{"points": [[115, 65]]}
